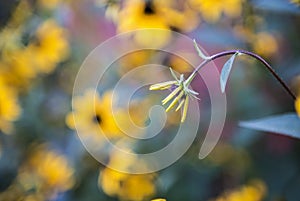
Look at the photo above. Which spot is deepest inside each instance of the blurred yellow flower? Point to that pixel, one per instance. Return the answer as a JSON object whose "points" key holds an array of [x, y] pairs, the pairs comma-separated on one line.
{"points": [[127, 186], [255, 191], [47, 171], [20, 64], [17, 69], [159, 199], [9, 107], [92, 113], [297, 105], [183, 20], [155, 19], [212, 10], [265, 44], [53, 169], [140, 14], [50, 48]]}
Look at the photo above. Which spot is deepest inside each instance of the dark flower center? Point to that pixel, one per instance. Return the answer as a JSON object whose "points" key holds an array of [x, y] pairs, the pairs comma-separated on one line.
{"points": [[97, 119], [176, 29], [121, 183], [149, 7]]}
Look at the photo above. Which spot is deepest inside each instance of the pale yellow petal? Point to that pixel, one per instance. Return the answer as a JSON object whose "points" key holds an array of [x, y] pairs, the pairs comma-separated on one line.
{"points": [[163, 85], [175, 101], [171, 95], [180, 105], [185, 108]]}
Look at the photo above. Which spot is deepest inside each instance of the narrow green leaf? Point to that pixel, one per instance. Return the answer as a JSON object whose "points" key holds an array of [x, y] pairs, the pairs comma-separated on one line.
{"points": [[226, 72], [286, 124], [173, 74], [200, 53]]}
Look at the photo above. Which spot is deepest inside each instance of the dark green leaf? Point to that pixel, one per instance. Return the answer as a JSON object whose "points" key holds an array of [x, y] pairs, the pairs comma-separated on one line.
{"points": [[286, 124]]}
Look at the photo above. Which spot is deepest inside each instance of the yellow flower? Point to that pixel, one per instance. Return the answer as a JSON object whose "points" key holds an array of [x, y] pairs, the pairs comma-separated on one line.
{"points": [[265, 44], [297, 105], [212, 10], [19, 63], [92, 113], [137, 187], [9, 107], [255, 191], [17, 69], [111, 181], [157, 18], [48, 171], [126, 186], [159, 199], [51, 47], [137, 14], [184, 20], [134, 187]]}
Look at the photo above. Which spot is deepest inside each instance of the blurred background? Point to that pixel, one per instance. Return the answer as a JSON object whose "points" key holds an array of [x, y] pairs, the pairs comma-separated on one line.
{"points": [[42, 46]]}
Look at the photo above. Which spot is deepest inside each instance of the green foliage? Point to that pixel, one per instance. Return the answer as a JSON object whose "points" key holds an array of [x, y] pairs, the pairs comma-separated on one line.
{"points": [[285, 124]]}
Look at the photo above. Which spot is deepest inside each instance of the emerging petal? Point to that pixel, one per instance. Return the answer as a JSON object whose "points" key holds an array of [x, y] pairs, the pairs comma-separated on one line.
{"points": [[180, 105], [185, 108], [171, 95], [175, 101], [162, 86]]}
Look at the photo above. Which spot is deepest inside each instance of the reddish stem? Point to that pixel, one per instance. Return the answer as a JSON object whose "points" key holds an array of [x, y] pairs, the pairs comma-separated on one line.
{"points": [[257, 57]]}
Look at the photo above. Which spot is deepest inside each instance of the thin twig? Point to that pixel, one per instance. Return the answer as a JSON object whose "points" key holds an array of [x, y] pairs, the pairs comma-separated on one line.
{"points": [[257, 57]]}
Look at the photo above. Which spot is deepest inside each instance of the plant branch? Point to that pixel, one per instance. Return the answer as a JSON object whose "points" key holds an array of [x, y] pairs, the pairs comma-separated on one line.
{"points": [[257, 57]]}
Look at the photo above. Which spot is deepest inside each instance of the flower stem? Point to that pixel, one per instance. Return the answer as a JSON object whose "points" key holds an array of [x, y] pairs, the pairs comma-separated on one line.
{"points": [[257, 57]]}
